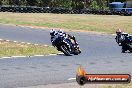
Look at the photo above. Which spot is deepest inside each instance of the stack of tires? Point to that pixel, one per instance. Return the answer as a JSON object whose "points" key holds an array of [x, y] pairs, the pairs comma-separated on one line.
{"points": [[115, 9]]}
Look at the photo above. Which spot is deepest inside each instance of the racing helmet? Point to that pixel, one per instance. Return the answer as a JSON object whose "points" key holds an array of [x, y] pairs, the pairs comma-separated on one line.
{"points": [[60, 31], [52, 32], [118, 31]]}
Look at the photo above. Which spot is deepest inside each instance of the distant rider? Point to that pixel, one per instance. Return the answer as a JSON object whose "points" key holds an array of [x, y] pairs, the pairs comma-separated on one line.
{"points": [[124, 36]]}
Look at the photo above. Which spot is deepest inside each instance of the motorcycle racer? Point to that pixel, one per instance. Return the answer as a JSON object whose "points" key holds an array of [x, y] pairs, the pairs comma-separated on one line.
{"points": [[64, 42], [124, 39], [55, 34]]}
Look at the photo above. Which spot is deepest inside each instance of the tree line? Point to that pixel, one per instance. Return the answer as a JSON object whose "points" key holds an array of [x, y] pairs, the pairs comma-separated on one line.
{"points": [[77, 4]]}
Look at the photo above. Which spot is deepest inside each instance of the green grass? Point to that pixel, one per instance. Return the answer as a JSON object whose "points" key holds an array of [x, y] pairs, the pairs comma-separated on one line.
{"points": [[96, 23], [116, 86], [18, 49], [108, 85]]}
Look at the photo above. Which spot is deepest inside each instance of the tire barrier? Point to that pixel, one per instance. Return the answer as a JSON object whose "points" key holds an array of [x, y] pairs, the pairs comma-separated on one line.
{"points": [[33, 9]]}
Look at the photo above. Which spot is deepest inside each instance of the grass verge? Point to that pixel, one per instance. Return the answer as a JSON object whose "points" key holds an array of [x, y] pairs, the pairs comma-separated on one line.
{"points": [[117, 86], [18, 49], [97, 23]]}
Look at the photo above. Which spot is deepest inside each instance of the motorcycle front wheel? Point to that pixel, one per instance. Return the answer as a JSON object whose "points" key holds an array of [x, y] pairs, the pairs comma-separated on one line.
{"points": [[77, 51], [65, 50], [130, 48]]}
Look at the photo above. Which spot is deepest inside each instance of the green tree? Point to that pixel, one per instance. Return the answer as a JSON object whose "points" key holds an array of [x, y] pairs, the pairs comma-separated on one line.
{"points": [[0, 2], [61, 3], [31, 2], [99, 4], [23, 2], [94, 5], [5, 2], [78, 4], [46, 3]]}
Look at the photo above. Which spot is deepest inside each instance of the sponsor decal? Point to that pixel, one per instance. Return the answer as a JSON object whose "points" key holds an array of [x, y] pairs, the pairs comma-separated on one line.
{"points": [[82, 77]]}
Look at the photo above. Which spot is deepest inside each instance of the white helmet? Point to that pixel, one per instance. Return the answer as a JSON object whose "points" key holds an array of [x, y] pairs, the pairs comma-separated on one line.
{"points": [[52, 32]]}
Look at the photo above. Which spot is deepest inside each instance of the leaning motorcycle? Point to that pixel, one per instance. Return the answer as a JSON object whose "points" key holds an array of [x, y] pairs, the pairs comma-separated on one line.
{"points": [[125, 41], [67, 45]]}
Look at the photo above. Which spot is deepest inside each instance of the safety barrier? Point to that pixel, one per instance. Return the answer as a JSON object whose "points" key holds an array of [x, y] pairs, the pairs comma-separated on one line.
{"points": [[33, 9]]}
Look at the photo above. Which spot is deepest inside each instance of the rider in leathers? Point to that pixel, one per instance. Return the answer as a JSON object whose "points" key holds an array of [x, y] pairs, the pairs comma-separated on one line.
{"points": [[124, 38], [55, 34]]}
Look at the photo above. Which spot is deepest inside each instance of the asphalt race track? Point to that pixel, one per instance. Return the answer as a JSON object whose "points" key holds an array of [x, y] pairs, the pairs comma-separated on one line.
{"points": [[100, 54]]}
